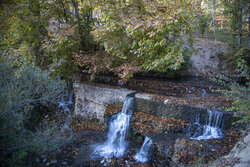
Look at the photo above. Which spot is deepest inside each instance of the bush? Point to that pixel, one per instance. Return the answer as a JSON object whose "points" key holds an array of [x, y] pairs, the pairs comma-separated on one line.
{"points": [[22, 87], [239, 93]]}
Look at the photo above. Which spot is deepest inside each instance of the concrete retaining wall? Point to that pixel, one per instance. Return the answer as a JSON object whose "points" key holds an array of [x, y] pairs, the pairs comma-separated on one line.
{"points": [[90, 100], [177, 111], [90, 104]]}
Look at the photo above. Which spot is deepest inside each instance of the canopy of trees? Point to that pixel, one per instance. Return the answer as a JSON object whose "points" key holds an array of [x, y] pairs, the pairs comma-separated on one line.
{"points": [[122, 36]]}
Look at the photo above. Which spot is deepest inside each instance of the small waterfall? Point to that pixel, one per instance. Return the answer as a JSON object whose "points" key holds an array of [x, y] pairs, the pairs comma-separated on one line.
{"points": [[203, 93], [213, 128], [64, 106], [116, 144], [197, 118], [142, 155]]}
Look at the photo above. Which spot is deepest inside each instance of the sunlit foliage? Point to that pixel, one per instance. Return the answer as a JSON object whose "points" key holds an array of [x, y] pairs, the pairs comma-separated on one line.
{"points": [[144, 34]]}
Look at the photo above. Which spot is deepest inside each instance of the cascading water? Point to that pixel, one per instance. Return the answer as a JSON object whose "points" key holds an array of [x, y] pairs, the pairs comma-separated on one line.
{"points": [[64, 106], [116, 144], [203, 93], [213, 129], [142, 155]]}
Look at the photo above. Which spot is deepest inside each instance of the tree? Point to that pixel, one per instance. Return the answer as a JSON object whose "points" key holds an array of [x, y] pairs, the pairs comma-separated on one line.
{"points": [[213, 22], [236, 10], [143, 35], [248, 36], [238, 93], [46, 33], [23, 87], [240, 23]]}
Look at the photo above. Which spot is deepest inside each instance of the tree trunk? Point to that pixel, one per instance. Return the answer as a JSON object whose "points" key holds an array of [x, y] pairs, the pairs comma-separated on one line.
{"points": [[240, 23], [63, 6], [207, 26], [198, 27], [88, 17], [80, 28], [248, 37], [213, 22], [75, 4]]}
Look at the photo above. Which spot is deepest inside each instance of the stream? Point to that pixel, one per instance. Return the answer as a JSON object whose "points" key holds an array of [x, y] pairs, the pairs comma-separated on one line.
{"points": [[133, 138], [116, 144]]}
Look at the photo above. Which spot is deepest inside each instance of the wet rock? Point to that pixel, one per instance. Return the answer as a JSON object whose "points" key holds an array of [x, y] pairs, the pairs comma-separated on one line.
{"points": [[163, 148], [238, 156], [187, 151], [194, 130], [162, 154], [241, 152]]}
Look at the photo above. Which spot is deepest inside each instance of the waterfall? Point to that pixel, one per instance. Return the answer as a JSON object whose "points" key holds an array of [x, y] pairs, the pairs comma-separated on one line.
{"points": [[203, 93], [142, 155], [116, 144], [213, 128], [64, 106]]}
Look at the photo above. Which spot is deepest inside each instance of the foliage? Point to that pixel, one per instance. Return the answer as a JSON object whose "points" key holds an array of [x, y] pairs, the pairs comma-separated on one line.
{"points": [[59, 46], [232, 10], [23, 87], [204, 23], [45, 33], [25, 84], [238, 92], [144, 34], [101, 61]]}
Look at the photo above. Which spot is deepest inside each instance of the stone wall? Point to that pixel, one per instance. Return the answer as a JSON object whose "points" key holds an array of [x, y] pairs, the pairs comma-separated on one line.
{"points": [[178, 111], [90, 100], [90, 104]]}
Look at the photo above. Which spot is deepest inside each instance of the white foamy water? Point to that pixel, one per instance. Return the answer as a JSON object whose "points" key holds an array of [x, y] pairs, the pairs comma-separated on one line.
{"points": [[142, 155], [64, 105], [213, 128], [116, 144]]}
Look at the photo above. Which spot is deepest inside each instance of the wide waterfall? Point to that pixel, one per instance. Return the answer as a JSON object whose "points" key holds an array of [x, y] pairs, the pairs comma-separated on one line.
{"points": [[116, 144], [213, 128], [142, 155]]}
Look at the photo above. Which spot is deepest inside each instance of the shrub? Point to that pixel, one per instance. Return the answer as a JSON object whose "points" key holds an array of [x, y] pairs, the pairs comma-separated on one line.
{"points": [[239, 93], [22, 87]]}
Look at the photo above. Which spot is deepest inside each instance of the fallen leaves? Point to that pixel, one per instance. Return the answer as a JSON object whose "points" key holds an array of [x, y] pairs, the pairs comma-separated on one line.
{"points": [[184, 92], [194, 101], [112, 109], [78, 125], [74, 152], [145, 123], [188, 151]]}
